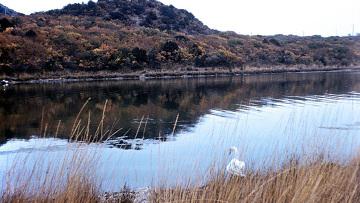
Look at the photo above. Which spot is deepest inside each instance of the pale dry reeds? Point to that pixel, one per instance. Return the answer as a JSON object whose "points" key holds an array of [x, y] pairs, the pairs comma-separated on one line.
{"points": [[73, 179]]}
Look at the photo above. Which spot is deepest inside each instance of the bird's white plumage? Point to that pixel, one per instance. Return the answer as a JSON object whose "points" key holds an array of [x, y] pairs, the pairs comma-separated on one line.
{"points": [[235, 166]]}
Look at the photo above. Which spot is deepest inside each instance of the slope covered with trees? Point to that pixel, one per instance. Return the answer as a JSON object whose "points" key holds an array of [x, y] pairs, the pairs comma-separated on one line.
{"points": [[122, 36]]}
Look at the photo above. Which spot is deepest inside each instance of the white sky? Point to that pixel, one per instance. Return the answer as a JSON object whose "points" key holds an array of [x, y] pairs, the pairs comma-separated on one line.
{"points": [[265, 17]]}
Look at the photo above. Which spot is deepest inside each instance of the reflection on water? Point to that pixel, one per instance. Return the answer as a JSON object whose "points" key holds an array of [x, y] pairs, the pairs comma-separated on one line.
{"points": [[262, 115]]}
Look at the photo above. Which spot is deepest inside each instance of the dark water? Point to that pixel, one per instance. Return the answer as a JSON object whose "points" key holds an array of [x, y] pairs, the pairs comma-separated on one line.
{"points": [[265, 116]]}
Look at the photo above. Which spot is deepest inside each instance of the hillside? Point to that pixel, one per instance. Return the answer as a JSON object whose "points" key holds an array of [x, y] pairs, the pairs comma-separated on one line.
{"points": [[116, 36], [147, 13], [7, 11]]}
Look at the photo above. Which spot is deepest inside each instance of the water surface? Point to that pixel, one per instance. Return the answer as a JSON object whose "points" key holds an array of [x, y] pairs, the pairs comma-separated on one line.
{"points": [[265, 116]]}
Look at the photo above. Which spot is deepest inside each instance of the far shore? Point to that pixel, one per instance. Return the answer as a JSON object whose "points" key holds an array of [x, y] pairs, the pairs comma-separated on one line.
{"points": [[178, 72]]}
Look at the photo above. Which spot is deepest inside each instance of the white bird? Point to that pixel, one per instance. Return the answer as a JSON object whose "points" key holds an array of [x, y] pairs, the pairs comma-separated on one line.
{"points": [[235, 166]]}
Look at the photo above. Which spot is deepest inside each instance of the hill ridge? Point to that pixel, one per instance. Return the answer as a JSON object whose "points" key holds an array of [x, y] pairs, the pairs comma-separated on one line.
{"points": [[146, 13], [4, 10]]}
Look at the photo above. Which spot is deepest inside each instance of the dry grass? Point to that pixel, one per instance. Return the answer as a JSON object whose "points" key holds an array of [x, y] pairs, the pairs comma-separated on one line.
{"points": [[69, 178], [74, 179], [176, 72], [317, 182], [320, 181]]}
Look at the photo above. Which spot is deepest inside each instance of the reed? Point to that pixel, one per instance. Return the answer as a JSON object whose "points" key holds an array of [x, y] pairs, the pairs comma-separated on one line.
{"points": [[72, 178], [69, 178], [320, 181]]}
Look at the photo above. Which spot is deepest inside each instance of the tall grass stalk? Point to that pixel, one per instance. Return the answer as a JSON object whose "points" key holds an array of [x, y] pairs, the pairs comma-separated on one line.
{"points": [[72, 178], [69, 178], [318, 181]]}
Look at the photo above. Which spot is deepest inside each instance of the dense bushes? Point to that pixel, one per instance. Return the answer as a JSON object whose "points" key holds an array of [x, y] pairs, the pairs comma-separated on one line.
{"points": [[149, 19], [104, 45], [86, 42], [146, 13], [5, 55], [213, 60], [30, 33], [335, 55], [136, 58], [5, 23], [140, 55], [170, 47]]}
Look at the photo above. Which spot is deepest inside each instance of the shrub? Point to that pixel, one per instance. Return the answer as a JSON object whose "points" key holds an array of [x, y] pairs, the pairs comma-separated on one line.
{"points": [[195, 50], [5, 55], [168, 11], [275, 42], [343, 55], [152, 59], [212, 60], [317, 45], [287, 57], [118, 15], [30, 33], [234, 43], [170, 46], [139, 54], [320, 56], [91, 5], [138, 9], [152, 15], [5, 23], [181, 38]]}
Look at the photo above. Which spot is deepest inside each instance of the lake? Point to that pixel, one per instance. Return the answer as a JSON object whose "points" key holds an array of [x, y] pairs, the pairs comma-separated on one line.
{"points": [[268, 117]]}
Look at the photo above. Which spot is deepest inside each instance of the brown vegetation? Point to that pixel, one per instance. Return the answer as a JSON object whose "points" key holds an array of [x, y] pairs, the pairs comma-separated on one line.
{"points": [[316, 181], [100, 36], [73, 178], [319, 181]]}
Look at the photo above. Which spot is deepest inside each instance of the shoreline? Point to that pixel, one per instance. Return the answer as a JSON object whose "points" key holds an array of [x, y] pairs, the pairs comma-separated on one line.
{"points": [[68, 76]]}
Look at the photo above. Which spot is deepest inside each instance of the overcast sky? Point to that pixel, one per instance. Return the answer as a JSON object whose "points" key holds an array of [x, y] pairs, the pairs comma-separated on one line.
{"points": [[265, 17]]}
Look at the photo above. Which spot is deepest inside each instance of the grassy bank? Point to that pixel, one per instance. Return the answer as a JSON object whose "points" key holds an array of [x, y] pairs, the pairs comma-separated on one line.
{"points": [[319, 181], [179, 72]]}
